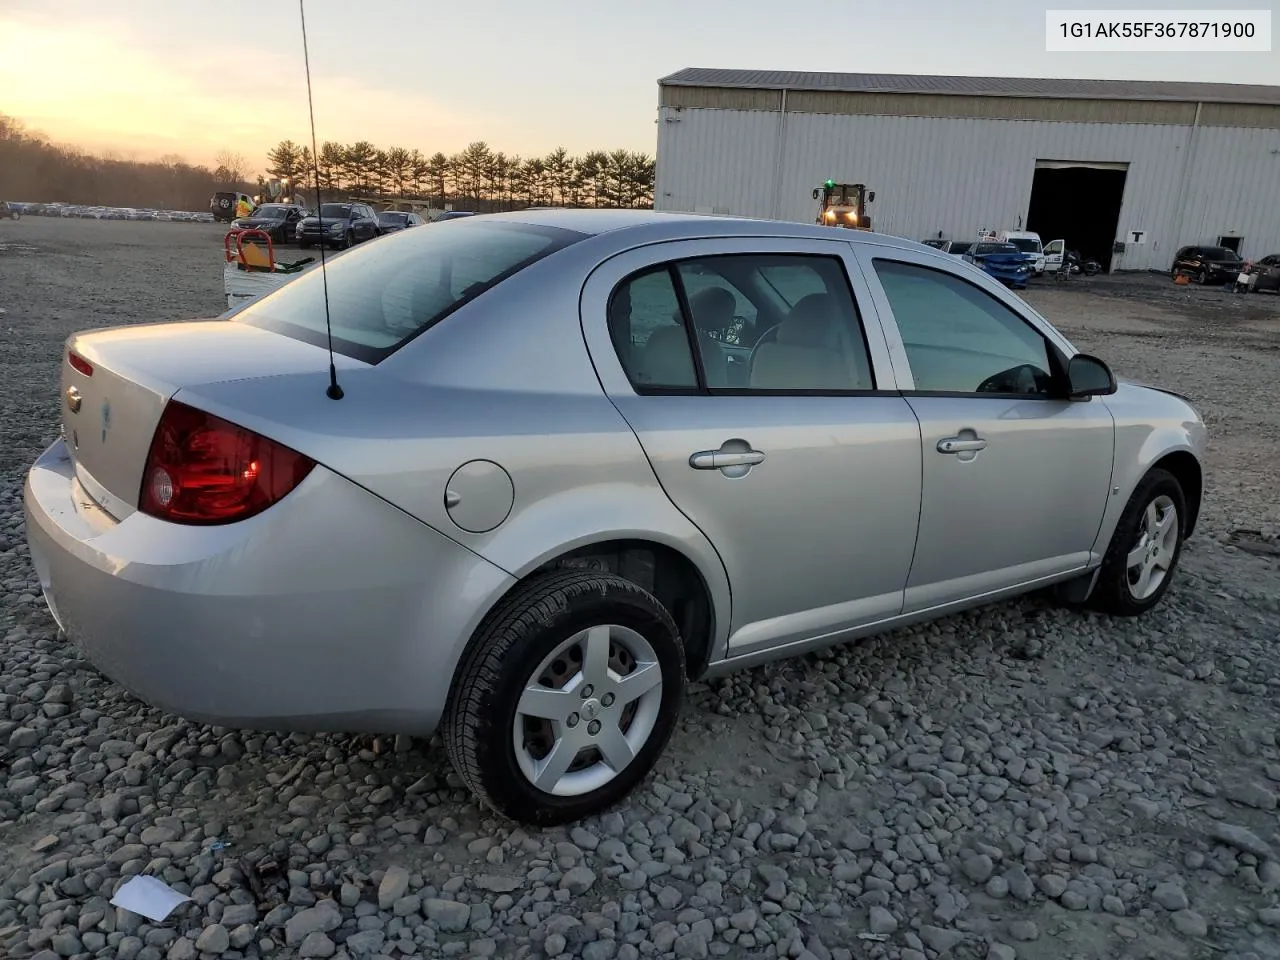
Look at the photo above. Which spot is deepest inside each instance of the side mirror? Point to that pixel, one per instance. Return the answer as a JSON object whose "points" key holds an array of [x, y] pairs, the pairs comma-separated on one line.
{"points": [[871, 197], [1089, 377], [817, 191]]}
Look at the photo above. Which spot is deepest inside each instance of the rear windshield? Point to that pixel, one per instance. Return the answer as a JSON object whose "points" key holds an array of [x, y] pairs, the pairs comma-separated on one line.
{"points": [[959, 246], [387, 217], [382, 295], [1026, 244]]}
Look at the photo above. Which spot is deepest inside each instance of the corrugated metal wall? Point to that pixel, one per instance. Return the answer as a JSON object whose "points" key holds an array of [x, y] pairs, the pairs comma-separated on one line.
{"points": [[958, 175]]}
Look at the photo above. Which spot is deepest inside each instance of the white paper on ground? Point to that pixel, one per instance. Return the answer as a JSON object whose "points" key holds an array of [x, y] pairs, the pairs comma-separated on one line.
{"points": [[152, 898]]}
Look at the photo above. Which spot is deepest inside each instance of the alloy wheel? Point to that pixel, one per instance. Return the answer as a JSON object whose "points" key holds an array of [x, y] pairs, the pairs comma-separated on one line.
{"points": [[587, 710], [1151, 557]]}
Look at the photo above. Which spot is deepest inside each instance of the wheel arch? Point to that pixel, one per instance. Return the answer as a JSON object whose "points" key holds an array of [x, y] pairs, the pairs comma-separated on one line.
{"points": [[1187, 470], [663, 569]]}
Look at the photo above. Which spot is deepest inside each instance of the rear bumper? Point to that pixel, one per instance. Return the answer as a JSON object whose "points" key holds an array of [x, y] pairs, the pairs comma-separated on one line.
{"points": [[332, 611]]}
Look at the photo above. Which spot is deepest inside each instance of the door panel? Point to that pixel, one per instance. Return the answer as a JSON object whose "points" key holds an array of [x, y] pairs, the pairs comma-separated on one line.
{"points": [[817, 534], [1025, 506], [1015, 480]]}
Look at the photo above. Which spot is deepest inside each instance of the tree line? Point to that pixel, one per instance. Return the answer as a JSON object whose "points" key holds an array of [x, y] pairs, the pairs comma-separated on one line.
{"points": [[477, 178]]}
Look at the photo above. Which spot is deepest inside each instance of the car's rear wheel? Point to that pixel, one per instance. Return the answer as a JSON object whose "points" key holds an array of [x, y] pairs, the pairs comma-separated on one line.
{"points": [[566, 697], [1144, 549], [1201, 276]]}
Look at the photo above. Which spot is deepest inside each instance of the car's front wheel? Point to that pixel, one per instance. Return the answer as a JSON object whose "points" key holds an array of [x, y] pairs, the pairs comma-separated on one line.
{"points": [[1144, 549], [566, 697]]}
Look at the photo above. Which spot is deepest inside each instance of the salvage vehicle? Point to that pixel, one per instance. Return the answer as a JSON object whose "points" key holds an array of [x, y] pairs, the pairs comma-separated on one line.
{"points": [[338, 225], [391, 221], [1262, 274], [279, 221], [1207, 264], [518, 501], [1027, 242], [1003, 261]]}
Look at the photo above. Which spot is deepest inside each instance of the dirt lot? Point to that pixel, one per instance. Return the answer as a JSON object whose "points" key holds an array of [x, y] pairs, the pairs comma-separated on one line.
{"points": [[1020, 781]]}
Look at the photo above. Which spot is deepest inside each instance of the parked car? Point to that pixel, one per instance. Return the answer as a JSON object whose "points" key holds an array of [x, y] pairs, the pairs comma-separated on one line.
{"points": [[537, 514], [1265, 274], [1027, 242], [1003, 261], [344, 224], [10, 210], [1207, 264], [278, 220], [390, 221]]}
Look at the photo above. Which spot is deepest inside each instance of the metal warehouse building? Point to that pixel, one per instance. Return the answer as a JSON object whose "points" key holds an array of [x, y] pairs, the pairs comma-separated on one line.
{"points": [[1125, 171]]}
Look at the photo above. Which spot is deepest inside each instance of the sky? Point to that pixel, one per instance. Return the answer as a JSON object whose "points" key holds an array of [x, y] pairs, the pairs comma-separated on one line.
{"points": [[146, 78]]}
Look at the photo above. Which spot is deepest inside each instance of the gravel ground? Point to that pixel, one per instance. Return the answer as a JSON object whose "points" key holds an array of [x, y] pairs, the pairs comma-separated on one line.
{"points": [[1018, 781]]}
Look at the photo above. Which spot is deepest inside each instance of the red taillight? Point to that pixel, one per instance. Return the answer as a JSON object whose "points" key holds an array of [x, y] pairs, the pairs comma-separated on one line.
{"points": [[202, 469], [80, 363]]}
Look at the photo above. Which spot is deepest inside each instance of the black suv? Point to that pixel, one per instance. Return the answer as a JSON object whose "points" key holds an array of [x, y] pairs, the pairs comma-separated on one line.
{"points": [[277, 220], [1207, 264]]}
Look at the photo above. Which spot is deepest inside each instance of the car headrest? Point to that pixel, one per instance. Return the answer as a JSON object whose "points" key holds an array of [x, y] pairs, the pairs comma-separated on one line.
{"points": [[811, 323], [712, 308]]}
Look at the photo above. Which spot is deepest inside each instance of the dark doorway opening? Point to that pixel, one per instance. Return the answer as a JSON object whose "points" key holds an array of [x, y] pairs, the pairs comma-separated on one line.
{"points": [[1080, 205], [1231, 243]]}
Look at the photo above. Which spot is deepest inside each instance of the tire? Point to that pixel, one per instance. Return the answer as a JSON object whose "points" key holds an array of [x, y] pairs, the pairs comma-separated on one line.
{"points": [[1202, 278], [346, 241], [1115, 593], [513, 649]]}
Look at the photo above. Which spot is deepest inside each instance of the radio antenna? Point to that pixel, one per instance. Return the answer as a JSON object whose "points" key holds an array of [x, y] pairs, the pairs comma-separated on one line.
{"points": [[334, 392]]}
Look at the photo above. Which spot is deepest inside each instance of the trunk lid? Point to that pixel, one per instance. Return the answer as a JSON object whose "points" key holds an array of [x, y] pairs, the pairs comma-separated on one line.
{"points": [[110, 415]]}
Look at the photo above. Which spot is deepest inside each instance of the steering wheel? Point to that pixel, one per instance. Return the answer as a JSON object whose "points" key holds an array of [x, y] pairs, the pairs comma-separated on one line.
{"points": [[1025, 378]]}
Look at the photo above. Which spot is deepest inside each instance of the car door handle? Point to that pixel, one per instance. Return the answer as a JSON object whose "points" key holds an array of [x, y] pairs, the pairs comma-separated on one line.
{"points": [[961, 444], [717, 459]]}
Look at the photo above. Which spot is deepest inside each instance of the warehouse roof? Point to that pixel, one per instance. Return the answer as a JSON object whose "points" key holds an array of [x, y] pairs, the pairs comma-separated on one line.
{"points": [[975, 86]]}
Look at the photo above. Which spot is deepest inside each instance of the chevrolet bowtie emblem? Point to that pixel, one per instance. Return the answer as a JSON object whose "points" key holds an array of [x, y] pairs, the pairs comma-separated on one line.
{"points": [[73, 399]]}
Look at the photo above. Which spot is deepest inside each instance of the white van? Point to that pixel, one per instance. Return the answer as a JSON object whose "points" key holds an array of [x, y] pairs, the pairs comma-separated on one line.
{"points": [[1027, 242]]}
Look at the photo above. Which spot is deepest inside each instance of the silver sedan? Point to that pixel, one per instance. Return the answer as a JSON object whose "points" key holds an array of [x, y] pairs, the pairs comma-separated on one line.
{"points": [[578, 459]]}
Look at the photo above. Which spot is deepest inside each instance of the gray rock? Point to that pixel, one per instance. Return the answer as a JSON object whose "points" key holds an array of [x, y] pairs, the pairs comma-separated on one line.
{"points": [[365, 943], [1020, 885], [940, 940], [978, 867], [1001, 951], [881, 921], [1250, 793], [316, 944], [1024, 930], [214, 939], [578, 880], [181, 949], [745, 920], [449, 915], [1170, 896], [554, 945], [1052, 885], [237, 914], [321, 918], [1269, 916], [1189, 923], [394, 885], [1242, 838], [691, 946]]}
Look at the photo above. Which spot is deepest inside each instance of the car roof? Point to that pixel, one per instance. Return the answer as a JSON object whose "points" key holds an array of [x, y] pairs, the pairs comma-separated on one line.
{"points": [[650, 225]]}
